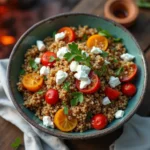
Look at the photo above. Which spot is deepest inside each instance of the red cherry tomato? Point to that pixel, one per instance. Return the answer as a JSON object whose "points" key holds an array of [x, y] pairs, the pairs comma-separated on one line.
{"points": [[99, 121], [128, 89], [93, 87], [70, 34], [112, 94], [47, 59], [132, 71], [52, 96]]}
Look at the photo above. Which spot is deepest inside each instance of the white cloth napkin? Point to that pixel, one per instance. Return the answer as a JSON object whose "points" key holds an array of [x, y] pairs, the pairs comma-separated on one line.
{"points": [[136, 133], [33, 138]]}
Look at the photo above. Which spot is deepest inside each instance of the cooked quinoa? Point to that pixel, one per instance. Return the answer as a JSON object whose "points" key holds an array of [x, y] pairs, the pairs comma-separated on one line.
{"points": [[92, 103]]}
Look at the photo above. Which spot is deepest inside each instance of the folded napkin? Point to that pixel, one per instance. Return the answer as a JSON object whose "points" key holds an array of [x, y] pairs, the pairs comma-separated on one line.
{"points": [[136, 133], [34, 139]]}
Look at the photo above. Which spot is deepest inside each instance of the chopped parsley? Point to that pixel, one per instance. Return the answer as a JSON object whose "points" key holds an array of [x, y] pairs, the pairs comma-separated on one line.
{"points": [[53, 35], [117, 40], [52, 58], [102, 71], [84, 38], [16, 143], [119, 71], [103, 32], [66, 86], [115, 60], [40, 92], [76, 54], [22, 72], [77, 97], [33, 64], [89, 116], [45, 78], [104, 54], [65, 108]]}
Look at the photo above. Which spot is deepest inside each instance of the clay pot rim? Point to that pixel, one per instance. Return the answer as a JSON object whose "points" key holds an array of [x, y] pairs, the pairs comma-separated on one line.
{"points": [[132, 9]]}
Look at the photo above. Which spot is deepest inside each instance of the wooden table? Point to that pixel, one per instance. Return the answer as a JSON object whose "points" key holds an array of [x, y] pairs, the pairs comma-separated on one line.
{"points": [[141, 31]]}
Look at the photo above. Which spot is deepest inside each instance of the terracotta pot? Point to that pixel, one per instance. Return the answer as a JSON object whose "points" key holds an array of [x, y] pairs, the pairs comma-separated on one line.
{"points": [[124, 12]]}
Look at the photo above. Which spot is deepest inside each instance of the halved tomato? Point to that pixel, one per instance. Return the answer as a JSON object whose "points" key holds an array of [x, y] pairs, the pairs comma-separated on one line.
{"points": [[48, 59], [70, 34], [132, 71], [93, 87], [112, 94]]}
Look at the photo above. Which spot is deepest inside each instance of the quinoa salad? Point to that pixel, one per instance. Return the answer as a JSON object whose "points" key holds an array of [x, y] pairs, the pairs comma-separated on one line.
{"points": [[78, 79]]}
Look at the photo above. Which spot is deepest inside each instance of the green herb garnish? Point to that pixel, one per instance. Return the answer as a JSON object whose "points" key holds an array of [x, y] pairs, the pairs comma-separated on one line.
{"points": [[53, 35], [45, 78], [16, 143], [66, 86], [117, 40], [104, 54], [84, 38], [76, 54], [22, 72], [65, 108], [115, 60], [119, 71], [40, 92], [114, 49], [104, 32], [89, 116], [52, 58], [33, 64], [143, 3], [102, 71], [77, 97]]}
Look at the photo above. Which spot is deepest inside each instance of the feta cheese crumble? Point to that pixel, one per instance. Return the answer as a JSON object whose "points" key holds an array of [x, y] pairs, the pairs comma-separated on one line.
{"points": [[44, 70], [48, 122], [96, 50], [81, 75], [127, 57], [83, 68], [61, 76], [119, 114], [40, 45], [85, 53], [106, 101], [114, 81], [107, 62], [85, 83], [73, 66], [61, 52], [60, 36], [37, 60]]}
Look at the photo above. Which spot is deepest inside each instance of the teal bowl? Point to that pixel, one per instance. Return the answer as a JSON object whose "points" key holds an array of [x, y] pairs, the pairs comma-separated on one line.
{"points": [[45, 28]]}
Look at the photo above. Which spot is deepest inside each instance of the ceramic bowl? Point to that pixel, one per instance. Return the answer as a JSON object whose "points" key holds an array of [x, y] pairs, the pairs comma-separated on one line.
{"points": [[45, 28]]}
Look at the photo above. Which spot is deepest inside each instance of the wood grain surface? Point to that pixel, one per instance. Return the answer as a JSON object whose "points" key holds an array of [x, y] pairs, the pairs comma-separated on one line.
{"points": [[141, 31]]}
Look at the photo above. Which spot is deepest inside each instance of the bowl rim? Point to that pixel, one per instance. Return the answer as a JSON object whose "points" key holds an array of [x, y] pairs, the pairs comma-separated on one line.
{"points": [[62, 135]]}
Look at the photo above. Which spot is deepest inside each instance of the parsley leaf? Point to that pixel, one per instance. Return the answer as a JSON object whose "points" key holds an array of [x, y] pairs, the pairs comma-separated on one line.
{"points": [[66, 86], [102, 71], [84, 38], [115, 60], [65, 108], [33, 64], [77, 97], [76, 54], [104, 54], [16, 143], [103, 32], [40, 92], [119, 71], [45, 78], [53, 35], [89, 116], [117, 39], [52, 58], [22, 72]]}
